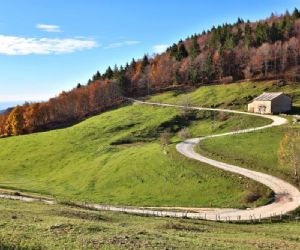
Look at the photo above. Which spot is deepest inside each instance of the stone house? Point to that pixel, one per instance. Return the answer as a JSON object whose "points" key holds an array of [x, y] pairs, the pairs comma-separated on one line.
{"points": [[270, 103]]}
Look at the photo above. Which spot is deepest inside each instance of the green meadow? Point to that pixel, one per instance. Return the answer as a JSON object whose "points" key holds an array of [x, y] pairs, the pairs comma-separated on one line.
{"points": [[257, 150], [116, 158], [232, 96], [40, 226]]}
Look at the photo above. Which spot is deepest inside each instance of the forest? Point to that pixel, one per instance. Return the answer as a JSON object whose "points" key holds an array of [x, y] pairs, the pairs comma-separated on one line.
{"points": [[244, 50]]}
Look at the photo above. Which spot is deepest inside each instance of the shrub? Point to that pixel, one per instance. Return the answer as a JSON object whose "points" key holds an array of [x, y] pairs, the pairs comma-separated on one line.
{"points": [[184, 134]]}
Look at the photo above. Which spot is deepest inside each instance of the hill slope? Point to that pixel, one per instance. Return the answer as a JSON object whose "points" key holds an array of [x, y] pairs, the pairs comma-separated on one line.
{"points": [[116, 158]]}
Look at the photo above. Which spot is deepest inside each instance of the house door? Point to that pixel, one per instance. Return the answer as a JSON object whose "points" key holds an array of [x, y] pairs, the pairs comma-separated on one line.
{"points": [[262, 109]]}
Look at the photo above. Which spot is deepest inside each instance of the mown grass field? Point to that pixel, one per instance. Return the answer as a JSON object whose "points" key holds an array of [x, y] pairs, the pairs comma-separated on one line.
{"points": [[40, 226]]}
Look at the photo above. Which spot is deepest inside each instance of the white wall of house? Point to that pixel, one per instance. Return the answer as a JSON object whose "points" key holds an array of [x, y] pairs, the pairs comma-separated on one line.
{"points": [[262, 107], [277, 105]]}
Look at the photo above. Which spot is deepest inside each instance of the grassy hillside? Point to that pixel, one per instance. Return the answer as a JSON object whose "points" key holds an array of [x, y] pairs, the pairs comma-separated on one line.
{"points": [[257, 151], [233, 96], [39, 226], [116, 158]]}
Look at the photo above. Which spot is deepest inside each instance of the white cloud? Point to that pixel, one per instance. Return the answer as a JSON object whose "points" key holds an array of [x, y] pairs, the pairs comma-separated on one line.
{"points": [[21, 98], [14, 45], [121, 44], [48, 27], [160, 48]]}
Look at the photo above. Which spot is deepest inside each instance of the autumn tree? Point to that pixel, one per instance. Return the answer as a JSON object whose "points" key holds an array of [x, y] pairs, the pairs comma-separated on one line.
{"points": [[3, 119], [15, 121]]}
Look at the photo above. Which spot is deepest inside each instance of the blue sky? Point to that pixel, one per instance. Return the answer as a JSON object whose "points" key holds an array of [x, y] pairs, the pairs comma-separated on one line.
{"points": [[49, 46]]}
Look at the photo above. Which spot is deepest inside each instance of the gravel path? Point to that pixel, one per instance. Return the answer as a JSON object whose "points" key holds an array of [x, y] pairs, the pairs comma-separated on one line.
{"points": [[287, 197]]}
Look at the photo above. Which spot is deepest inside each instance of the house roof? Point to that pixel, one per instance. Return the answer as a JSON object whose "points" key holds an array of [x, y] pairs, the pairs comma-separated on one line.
{"points": [[268, 96]]}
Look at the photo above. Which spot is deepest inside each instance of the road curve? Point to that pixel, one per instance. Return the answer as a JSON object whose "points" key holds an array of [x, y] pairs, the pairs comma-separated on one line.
{"points": [[287, 197]]}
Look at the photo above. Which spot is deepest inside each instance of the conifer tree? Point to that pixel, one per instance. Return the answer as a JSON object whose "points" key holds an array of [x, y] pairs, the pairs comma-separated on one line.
{"points": [[248, 35], [145, 62], [182, 53], [194, 49], [109, 73]]}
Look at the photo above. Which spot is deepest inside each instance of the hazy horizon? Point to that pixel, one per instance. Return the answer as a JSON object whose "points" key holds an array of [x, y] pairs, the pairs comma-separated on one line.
{"points": [[9, 104]]}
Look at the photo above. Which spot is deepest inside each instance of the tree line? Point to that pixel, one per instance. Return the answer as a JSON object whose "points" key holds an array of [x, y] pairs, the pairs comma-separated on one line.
{"points": [[62, 110], [265, 49]]}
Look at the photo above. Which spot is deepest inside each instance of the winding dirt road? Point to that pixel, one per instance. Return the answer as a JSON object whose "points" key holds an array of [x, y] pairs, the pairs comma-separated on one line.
{"points": [[287, 197]]}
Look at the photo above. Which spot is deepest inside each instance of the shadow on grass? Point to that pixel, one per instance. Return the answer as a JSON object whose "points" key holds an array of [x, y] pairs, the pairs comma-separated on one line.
{"points": [[295, 110]]}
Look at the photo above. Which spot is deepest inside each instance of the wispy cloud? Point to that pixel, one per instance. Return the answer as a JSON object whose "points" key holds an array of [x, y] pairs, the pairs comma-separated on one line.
{"points": [[121, 44], [21, 98], [14, 45], [48, 27], [160, 48]]}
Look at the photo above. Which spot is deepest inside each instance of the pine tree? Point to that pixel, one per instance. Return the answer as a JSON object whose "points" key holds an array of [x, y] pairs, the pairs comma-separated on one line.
{"points": [[239, 21], [109, 73], [238, 36], [194, 76], [124, 84], [173, 50], [262, 33], [229, 42], [195, 48], [275, 33], [97, 76], [215, 39], [132, 64], [248, 35], [287, 25], [182, 53], [296, 14], [208, 67], [145, 62]]}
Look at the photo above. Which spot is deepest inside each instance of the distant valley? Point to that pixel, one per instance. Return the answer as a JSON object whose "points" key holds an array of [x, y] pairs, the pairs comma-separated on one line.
{"points": [[6, 105]]}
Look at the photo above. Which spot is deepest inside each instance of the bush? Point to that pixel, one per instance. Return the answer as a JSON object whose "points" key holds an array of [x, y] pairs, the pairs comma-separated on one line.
{"points": [[165, 139], [184, 134]]}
